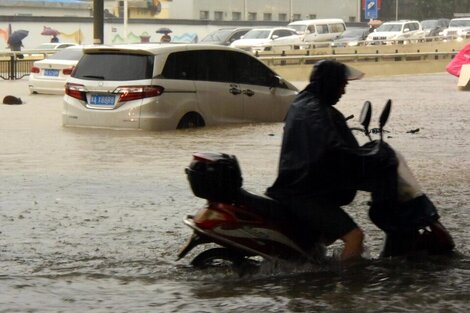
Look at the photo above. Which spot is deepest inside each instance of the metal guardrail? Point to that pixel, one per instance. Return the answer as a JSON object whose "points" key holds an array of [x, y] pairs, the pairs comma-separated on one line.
{"points": [[18, 64], [307, 46], [353, 57]]}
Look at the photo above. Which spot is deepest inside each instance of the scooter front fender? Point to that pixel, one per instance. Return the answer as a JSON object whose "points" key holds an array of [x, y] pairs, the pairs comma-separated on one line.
{"points": [[193, 242]]}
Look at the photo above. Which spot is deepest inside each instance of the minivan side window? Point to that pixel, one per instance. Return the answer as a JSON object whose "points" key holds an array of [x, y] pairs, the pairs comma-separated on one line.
{"points": [[322, 29], [337, 28], [311, 29], [204, 65], [180, 65], [249, 70], [213, 65]]}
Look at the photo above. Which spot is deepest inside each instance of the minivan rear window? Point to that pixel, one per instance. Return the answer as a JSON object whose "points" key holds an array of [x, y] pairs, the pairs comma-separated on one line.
{"points": [[114, 66]]}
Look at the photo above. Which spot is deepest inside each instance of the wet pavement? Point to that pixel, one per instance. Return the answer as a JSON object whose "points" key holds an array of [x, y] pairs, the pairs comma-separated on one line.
{"points": [[91, 219]]}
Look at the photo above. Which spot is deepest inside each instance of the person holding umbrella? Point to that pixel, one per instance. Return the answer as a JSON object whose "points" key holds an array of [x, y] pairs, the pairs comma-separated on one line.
{"points": [[15, 41], [165, 31], [48, 31]]}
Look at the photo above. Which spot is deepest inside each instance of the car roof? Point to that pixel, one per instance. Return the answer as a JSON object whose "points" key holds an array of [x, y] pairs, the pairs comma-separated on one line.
{"points": [[155, 48], [234, 28], [57, 44], [401, 22], [273, 28], [436, 19], [324, 20]]}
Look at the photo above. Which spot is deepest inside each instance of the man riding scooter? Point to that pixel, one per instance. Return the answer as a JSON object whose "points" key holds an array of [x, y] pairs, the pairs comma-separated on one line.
{"points": [[322, 166]]}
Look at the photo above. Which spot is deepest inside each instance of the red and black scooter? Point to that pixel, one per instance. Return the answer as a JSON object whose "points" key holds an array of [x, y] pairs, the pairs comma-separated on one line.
{"points": [[244, 225]]}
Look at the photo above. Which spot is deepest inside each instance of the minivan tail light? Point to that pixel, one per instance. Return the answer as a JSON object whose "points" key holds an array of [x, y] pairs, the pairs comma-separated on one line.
{"points": [[76, 91], [67, 71], [35, 69], [129, 93]]}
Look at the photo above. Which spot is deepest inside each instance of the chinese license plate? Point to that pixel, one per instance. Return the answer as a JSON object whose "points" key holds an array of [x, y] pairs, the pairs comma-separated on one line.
{"points": [[102, 100], [49, 72]]}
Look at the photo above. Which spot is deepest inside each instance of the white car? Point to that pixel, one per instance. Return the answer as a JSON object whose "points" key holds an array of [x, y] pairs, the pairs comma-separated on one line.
{"points": [[167, 86], [458, 27], [264, 39], [55, 45], [396, 32], [49, 75]]}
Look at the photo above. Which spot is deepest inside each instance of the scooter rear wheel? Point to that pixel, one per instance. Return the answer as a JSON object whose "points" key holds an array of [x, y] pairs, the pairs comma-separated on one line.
{"points": [[218, 257]]}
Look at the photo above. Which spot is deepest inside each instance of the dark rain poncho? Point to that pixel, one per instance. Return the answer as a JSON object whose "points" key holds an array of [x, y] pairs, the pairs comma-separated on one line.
{"points": [[320, 156]]}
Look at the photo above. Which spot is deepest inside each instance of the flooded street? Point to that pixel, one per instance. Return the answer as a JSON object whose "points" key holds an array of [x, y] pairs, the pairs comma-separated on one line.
{"points": [[91, 219]]}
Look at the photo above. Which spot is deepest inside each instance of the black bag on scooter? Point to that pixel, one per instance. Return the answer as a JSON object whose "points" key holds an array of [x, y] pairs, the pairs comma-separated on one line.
{"points": [[215, 176]]}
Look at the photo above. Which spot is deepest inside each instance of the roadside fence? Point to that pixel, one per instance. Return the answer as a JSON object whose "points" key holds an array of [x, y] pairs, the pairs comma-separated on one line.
{"points": [[18, 64]]}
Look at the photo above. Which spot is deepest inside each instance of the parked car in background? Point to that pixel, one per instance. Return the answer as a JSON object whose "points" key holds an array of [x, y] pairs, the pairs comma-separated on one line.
{"points": [[49, 75], [167, 86], [319, 30], [264, 39], [54, 46], [458, 27], [353, 36], [225, 36], [433, 27], [396, 32]]}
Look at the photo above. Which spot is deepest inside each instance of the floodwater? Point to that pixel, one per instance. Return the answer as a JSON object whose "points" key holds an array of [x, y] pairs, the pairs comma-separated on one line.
{"points": [[91, 219]]}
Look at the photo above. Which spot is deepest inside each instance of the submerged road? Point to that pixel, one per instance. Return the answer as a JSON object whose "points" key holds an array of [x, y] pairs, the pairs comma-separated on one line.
{"points": [[91, 219]]}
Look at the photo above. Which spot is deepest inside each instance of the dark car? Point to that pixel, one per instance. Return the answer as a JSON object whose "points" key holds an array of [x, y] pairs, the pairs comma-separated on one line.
{"points": [[352, 36], [225, 36], [433, 27]]}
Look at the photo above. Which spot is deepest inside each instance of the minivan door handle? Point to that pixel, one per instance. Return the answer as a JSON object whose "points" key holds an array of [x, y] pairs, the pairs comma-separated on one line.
{"points": [[249, 92], [235, 91]]}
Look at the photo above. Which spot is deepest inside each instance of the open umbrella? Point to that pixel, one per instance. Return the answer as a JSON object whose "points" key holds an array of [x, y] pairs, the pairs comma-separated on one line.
{"points": [[47, 31], [16, 37], [375, 23], [163, 30]]}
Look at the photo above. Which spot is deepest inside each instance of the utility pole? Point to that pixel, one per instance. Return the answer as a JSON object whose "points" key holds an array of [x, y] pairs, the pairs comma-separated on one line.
{"points": [[290, 12], [245, 10], [98, 22], [126, 17], [396, 10]]}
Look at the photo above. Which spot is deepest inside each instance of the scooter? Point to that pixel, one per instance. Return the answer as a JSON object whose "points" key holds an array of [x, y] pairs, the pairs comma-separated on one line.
{"points": [[244, 225]]}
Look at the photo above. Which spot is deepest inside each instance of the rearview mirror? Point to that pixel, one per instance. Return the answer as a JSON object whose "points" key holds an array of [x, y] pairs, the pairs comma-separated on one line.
{"points": [[366, 114], [385, 114], [274, 37], [275, 81]]}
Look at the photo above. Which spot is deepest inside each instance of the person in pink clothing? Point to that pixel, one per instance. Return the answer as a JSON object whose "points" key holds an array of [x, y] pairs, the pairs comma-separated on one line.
{"points": [[463, 57]]}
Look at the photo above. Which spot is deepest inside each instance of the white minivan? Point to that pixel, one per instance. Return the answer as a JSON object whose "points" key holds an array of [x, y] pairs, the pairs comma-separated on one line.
{"points": [[170, 86], [319, 30]]}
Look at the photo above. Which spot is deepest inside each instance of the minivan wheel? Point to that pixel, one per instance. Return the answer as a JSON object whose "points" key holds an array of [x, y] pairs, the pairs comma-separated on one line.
{"points": [[191, 120]]}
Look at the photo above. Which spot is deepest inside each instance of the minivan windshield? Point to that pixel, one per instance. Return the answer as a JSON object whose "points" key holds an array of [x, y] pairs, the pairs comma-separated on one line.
{"points": [[114, 66]]}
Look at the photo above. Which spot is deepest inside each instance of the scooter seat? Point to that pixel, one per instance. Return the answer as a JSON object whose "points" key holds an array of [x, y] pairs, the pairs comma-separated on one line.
{"points": [[266, 206]]}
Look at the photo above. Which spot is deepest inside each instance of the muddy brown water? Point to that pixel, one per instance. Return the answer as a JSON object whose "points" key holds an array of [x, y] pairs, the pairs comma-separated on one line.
{"points": [[91, 219]]}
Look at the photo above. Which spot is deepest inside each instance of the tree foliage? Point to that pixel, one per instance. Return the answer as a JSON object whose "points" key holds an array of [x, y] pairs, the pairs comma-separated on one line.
{"points": [[423, 9]]}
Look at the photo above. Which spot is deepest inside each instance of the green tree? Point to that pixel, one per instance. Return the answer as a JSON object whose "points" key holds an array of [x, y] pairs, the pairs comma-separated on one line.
{"points": [[423, 9]]}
